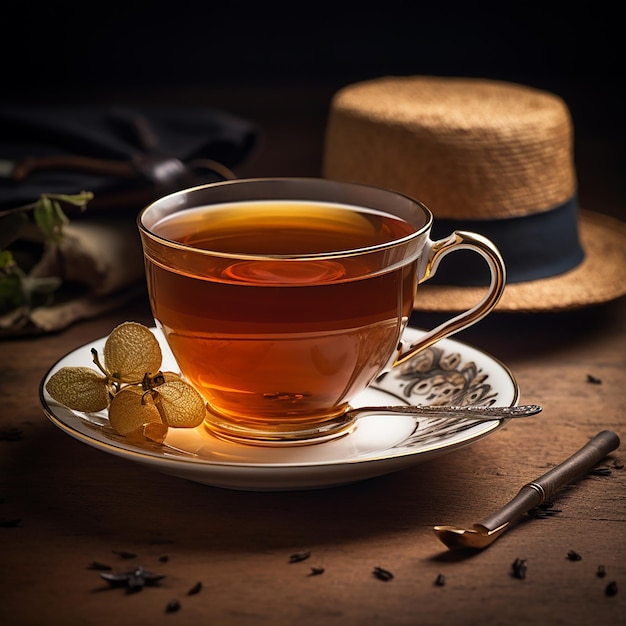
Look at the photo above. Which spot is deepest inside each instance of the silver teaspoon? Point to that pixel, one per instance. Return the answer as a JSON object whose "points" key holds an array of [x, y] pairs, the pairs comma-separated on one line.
{"points": [[482, 413]]}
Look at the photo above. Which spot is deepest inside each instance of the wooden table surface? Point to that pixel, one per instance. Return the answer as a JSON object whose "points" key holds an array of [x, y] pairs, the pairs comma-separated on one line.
{"points": [[65, 505]]}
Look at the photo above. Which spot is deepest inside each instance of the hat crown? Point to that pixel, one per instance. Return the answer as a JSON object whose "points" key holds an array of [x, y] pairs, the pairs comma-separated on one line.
{"points": [[467, 148]]}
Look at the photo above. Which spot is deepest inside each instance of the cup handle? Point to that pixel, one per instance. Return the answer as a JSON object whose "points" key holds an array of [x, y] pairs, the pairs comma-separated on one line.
{"points": [[458, 240]]}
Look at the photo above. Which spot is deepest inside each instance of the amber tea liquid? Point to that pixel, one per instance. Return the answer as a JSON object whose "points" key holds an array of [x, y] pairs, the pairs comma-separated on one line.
{"points": [[269, 339]]}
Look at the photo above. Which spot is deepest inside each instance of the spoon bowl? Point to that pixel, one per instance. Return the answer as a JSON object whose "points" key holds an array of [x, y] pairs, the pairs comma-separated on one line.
{"points": [[477, 537]]}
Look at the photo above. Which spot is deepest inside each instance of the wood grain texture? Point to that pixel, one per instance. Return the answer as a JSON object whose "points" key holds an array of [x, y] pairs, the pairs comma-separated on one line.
{"points": [[77, 505]]}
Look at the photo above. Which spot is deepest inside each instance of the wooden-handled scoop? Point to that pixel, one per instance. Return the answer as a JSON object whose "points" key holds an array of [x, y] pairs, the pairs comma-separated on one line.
{"points": [[483, 533]]}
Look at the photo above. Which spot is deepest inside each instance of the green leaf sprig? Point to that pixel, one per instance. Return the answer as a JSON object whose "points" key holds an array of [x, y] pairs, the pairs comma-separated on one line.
{"points": [[50, 217], [17, 289]]}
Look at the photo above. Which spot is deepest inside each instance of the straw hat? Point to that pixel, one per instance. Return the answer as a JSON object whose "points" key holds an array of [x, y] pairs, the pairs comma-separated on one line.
{"points": [[491, 157]]}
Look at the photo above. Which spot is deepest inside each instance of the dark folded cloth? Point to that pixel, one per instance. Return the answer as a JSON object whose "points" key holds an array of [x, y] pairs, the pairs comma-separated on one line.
{"points": [[124, 156]]}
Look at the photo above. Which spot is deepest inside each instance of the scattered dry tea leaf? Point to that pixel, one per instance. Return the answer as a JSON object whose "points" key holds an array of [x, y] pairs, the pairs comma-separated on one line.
{"points": [[299, 556], [519, 568], [197, 588], [124, 554], [172, 606], [382, 574], [79, 388], [134, 580], [316, 571], [131, 409], [99, 566], [10, 433], [131, 351]]}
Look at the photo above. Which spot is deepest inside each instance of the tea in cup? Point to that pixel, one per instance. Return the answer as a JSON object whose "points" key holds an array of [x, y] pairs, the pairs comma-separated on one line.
{"points": [[282, 299]]}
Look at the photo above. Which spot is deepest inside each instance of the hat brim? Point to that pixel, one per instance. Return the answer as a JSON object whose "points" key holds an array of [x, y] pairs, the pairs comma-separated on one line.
{"points": [[601, 277]]}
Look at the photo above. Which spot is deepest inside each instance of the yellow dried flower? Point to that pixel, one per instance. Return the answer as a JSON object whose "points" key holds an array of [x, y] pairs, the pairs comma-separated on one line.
{"points": [[79, 388], [142, 401], [131, 351], [129, 410], [153, 431], [179, 404]]}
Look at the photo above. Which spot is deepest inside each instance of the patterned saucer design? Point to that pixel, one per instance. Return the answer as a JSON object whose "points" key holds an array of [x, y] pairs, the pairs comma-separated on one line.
{"points": [[450, 373]]}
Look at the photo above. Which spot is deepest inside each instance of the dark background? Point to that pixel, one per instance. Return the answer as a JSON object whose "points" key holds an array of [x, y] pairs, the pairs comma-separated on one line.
{"points": [[70, 45], [94, 52]]}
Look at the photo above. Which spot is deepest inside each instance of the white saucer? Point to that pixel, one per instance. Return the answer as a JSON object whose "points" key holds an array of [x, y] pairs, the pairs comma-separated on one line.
{"points": [[450, 373]]}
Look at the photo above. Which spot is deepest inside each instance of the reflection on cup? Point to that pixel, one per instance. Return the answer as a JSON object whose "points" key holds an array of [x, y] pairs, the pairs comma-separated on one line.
{"points": [[282, 299]]}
